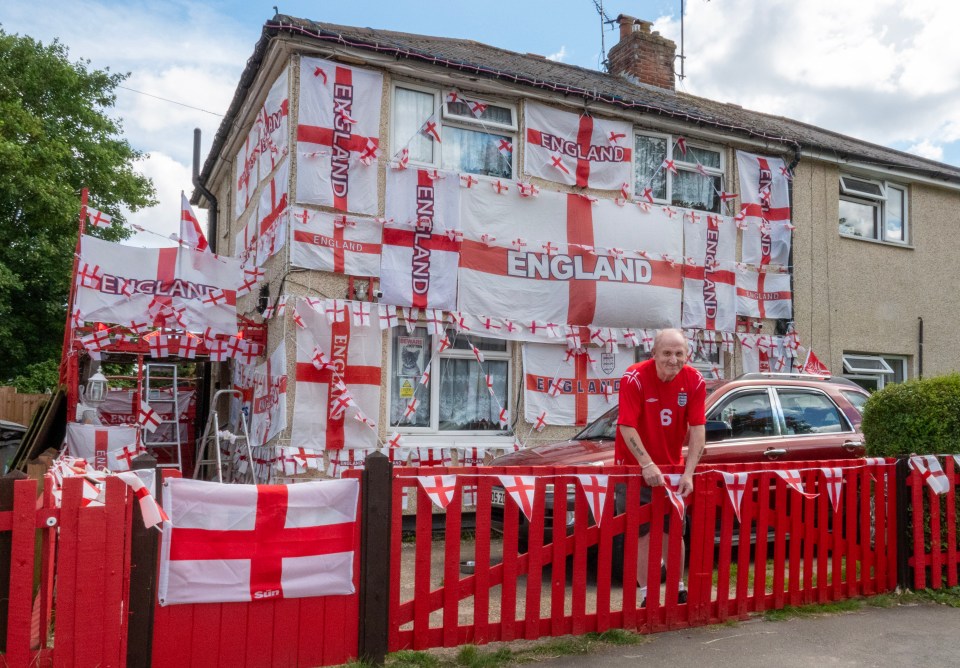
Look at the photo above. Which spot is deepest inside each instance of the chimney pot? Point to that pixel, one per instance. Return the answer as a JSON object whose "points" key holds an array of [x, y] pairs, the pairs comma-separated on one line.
{"points": [[642, 54]]}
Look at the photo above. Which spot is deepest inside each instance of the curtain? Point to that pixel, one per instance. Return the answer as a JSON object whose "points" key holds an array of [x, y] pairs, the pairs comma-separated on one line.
{"points": [[465, 402], [475, 152], [411, 108], [650, 154]]}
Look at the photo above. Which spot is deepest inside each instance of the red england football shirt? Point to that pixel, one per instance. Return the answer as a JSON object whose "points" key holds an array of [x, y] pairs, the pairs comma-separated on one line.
{"points": [[659, 411]]}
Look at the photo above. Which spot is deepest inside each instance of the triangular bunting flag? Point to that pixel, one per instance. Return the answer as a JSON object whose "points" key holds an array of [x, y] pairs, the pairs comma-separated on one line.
{"points": [[736, 484], [794, 481], [928, 466], [521, 489], [595, 489], [440, 488], [673, 494], [833, 479]]}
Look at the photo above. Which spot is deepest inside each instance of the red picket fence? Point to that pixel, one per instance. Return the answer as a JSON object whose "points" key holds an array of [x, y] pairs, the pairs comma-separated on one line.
{"points": [[803, 553], [933, 523]]}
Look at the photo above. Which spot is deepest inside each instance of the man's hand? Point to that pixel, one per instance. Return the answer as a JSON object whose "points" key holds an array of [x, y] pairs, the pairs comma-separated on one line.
{"points": [[653, 477], [686, 484]]}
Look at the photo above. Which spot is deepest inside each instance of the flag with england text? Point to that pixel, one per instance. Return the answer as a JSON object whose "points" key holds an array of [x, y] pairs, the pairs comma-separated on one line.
{"points": [[335, 242], [765, 194], [565, 259], [272, 125], [269, 409], [271, 229], [246, 172], [577, 149], [763, 294], [173, 286], [95, 443], [709, 273], [338, 136], [238, 543]]}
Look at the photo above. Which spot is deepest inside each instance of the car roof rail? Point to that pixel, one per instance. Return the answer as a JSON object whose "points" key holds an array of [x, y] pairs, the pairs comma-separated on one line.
{"points": [[770, 375]]}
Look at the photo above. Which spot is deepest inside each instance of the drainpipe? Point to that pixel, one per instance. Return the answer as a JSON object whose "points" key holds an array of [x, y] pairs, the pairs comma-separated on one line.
{"points": [[920, 348]]}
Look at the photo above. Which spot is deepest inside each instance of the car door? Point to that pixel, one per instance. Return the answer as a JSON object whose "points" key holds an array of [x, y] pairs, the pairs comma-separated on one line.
{"points": [[814, 427], [750, 415]]}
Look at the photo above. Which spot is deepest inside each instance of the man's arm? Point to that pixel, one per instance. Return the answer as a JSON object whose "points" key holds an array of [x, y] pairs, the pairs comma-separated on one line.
{"points": [[651, 472], [696, 440]]}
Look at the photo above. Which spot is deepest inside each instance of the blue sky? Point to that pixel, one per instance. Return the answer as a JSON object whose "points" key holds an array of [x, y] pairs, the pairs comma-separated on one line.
{"points": [[884, 71]]}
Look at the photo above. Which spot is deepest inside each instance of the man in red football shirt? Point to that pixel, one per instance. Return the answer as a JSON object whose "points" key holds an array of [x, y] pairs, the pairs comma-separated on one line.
{"points": [[661, 409]]}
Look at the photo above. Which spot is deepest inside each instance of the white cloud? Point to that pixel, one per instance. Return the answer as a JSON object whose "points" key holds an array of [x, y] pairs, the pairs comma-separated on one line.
{"points": [[925, 149], [559, 55]]}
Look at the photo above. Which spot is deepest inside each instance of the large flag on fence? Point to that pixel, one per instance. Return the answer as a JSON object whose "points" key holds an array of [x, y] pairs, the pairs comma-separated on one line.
{"points": [[571, 388], [336, 361], [234, 543], [338, 243], [573, 261], [95, 443], [765, 193], [177, 286], [577, 149], [338, 136]]}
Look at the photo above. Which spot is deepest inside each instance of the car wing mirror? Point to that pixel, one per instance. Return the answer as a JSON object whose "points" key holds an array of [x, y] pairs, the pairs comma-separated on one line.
{"points": [[718, 430]]}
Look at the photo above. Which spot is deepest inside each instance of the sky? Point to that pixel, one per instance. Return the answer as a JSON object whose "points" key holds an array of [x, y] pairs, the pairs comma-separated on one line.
{"points": [[884, 71]]}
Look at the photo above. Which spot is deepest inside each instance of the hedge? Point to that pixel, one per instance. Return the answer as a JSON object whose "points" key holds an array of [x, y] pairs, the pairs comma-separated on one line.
{"points": [[918, 416]]}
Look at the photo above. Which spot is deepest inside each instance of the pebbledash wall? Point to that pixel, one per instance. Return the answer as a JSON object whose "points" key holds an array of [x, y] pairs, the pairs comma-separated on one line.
{"points": [[854, 298]]}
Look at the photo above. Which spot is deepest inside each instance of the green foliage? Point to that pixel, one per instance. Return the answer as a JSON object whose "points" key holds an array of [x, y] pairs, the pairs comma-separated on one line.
{"points": [[56, 137], [39, 377], [918, 416]]}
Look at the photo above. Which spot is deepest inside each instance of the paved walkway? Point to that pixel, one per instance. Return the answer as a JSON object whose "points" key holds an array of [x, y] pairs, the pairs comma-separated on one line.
{"points": [[909, 635]]}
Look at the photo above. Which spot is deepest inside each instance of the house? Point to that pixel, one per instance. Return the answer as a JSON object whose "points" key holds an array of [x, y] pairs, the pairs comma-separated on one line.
{"points": [[347, 152]]}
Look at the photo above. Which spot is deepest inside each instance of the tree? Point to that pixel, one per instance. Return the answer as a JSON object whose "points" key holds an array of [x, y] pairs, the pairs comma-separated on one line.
{"points": [[56, 137]]}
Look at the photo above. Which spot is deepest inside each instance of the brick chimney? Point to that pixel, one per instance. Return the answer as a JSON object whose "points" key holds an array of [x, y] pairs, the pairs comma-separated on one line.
{"points": [[641, 54]]}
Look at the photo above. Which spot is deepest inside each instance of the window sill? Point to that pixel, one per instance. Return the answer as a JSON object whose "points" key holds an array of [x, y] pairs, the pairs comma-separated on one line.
{"points": [[891, 244]]}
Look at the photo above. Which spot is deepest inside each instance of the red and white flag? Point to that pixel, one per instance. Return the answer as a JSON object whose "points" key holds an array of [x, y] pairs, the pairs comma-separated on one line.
{"points": [[572, 388], [595, 488], [235, 543], [338, 132], [420, 260], [765, 194], [709, 283], [672, 488], [273, 123], [763, 294], [736, 484], [354, 356], [833, 480], [928, 466], [246, 173], [341, 461], [321, 241], [795, 482], [520, 488], [190, 231], [169, 279], [576, 150], [271, 231], [143, 484], [122, 459], [148, 418], [580, 285], [94, 443], [269, 415], [814, 366], [440, 488], [98, 218]]}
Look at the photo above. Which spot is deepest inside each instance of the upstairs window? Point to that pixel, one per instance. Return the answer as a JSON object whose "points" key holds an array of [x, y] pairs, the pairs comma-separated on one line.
{"points": [[873, 210], [699, 178], [477, 136]]}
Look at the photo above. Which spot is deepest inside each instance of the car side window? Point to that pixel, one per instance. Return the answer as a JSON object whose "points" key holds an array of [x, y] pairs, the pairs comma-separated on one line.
{"points": [[808, 412], [748, 414]]}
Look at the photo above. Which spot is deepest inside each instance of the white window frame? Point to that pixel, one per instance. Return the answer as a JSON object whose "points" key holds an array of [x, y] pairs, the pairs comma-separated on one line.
{"points": [[879, 202], [706, 370], [450, 120], [679, 163], [451, 353], [882, 375]]}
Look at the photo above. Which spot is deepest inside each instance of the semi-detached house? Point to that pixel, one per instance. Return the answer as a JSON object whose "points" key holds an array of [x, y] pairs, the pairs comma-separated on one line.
{"points": [[872, 230]]}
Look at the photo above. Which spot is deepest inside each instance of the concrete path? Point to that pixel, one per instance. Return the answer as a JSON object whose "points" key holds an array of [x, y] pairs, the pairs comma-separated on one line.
{"points": [[909, 635]]}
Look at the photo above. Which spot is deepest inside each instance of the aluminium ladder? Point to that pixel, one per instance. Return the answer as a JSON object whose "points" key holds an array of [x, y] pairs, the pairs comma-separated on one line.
{"points": [[212, 435], [154, 374]]}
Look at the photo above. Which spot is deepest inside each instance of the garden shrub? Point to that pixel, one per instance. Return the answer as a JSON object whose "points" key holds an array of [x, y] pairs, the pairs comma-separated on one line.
{"points": [[916, 417]]}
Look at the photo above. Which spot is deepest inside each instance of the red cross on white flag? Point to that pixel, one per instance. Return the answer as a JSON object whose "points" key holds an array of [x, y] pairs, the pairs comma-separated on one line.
{"points": [[736, 484], [763, 294], [94, 442], [793, 480], [346, 178], [388, 316], [122, 459], [440, 488], [190, 231], [765, 195], [319, 243], [268, 415], [833, 479], [595, 489], [431, 128], [98, 218], [671, 487], [520, 488], [235, 543], [928, 466], [148, 418], [152, 513]]}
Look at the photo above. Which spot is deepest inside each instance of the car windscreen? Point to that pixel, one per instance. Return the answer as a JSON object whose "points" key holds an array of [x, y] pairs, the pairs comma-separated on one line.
{"points": [[604, 428]]}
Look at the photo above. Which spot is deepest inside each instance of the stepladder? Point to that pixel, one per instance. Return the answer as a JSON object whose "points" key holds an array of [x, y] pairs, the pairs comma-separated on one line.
{"points": [[227, 452]]}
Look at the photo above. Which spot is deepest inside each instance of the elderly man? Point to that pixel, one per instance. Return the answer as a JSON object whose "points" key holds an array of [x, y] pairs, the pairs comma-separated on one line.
{"points": [[661, 408]]}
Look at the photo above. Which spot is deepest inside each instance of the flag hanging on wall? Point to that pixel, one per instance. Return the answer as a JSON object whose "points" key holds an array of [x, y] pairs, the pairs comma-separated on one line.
{"points": [[709, 282], [269, 408], [246, 173], [763, 294], [339, 243], [338, 136], [272, 125], [578, 150], [233, 543], [765, 194]]}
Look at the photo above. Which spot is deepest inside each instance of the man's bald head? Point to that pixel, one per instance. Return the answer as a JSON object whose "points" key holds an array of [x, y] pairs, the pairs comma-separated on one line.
{"points": [[671, 336], [670, 352]]}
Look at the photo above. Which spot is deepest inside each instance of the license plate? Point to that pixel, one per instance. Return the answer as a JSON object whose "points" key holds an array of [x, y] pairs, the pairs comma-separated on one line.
{"points": [[497, 497]]}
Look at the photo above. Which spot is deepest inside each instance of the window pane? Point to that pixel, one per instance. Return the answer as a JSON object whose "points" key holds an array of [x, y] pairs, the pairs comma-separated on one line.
{"points": [[869, 384], [650, 154], [411, 108], [893, 225], [695, 154], [463, 341], [693, 190], [465, 401], [899, 366], [858, 219], [411, 355], [748, 415], [858, 400], [492, 113], [810, 413], [853, 186], [475, 152]]}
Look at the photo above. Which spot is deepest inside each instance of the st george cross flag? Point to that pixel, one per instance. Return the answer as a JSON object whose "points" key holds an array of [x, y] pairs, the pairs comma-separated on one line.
{"points": [[793, 480], [338, 136], [272, 125], [353, 355], [765, 194], [572, 388], [709, 285], [271, 231], [190, 231], [94, 443], [595, 489], [233, 543], [269, 416], [246, 173], [763, 294], [575, 149], [579, 279], [163, 280], [522, 489], [672, 488], [833, 480], [928, 466], [339, 243], [419, 260], [736, 484], [439, 488]]}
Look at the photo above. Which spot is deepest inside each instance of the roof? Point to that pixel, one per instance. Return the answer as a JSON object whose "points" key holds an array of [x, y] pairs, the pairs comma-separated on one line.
{"points": [[537, 72]]}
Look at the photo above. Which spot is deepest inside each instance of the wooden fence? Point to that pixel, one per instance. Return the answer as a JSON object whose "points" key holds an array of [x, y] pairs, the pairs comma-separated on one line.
{"points": [[17, 407], [932, 518]]}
